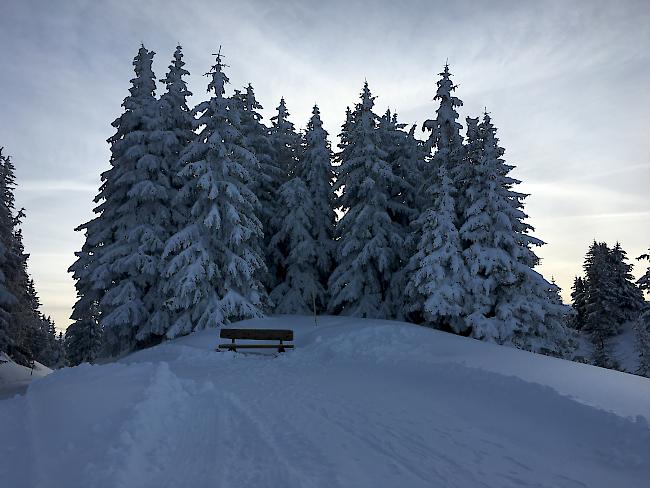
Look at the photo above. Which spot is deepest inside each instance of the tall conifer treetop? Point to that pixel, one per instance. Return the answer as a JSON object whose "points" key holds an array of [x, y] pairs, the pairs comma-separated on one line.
{"points": [[445, 129]]}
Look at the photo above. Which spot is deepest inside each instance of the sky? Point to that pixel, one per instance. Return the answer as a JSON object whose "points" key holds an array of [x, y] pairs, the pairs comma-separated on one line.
{"points": [[566, 83]]}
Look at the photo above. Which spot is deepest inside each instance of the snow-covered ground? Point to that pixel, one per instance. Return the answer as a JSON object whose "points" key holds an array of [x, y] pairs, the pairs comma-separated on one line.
{"points": [[359, 403], [14, 378]]}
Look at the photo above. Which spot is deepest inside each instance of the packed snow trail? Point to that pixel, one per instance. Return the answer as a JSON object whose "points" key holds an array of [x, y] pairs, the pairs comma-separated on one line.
{"points": [[358, 403]]}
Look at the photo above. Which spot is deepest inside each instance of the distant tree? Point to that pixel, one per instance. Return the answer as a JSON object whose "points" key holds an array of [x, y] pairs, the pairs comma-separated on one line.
{"points": [[642, 325], [579, 296], [627, 296], [24, 333], [7, 299], [600, 306], [214, 261]]}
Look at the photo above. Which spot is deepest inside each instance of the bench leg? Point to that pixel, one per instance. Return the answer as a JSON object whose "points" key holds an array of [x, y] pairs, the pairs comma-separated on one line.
{"points": [[233, 347], [281, 346]]}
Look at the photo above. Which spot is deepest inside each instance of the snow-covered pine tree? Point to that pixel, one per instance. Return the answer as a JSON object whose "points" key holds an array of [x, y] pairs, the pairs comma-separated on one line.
{"points": [[405, 155], [136, 210], [7, 299], [265, 178], [300, 286], [176, 121], [214, 261], [285, 146], [174, 131], [509, 301], [24, 335], [600, 316], [628, 297], [84, 336], [436, 287], [443, 148], [368, 239], [318, 175], [578, 297], [642, 325], [307, 223]]}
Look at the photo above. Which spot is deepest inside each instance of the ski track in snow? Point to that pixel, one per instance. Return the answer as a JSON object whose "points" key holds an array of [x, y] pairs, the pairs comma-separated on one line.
{"points": [[334, 413]]}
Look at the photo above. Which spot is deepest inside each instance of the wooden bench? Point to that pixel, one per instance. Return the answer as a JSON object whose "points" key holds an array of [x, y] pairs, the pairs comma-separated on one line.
{"points": [[256, 335]]}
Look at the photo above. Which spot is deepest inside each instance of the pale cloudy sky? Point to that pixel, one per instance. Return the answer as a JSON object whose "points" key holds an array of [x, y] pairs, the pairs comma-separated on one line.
{"points": [[566, 83]]}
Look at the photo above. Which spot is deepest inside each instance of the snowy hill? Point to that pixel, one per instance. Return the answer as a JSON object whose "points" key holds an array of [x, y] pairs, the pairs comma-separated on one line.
{"points": [[14, 378], [359, 403]]}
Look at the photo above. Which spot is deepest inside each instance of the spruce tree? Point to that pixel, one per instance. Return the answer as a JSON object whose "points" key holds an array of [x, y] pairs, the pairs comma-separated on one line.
{"points": [[285, 146], [318, 175], [405, 155], [436, 287], [578, 296], [265, 178], [600, 307], [214, 261], [306, 229], [443, 149], [135, 207], [84, 336], [7, 299], [642, 325], [626, 295], [509, 302], [368, 239]]}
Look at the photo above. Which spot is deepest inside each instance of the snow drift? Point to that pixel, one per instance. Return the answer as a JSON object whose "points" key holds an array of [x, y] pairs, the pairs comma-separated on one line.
{"points": [[358, 403]]}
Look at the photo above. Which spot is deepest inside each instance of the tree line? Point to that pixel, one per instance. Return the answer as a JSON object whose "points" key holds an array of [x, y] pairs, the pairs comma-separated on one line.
{"points": [[606, 300], [26, 334]]}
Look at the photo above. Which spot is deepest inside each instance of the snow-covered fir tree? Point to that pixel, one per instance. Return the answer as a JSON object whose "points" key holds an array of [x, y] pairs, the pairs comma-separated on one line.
{"points": [[578, 297], [265, 177], [600, 306], [24, 334], [7, 299], [642, 325], [627, 296], [214, 261], [368, 239], [285, 146], [443, 149], [436, 287], [307, 226], [318, 174], [405, 155], [135, 210], [508, 301]]}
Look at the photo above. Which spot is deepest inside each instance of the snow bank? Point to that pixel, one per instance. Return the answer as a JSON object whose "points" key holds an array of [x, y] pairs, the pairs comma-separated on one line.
{"points": [[14, 378], [361, 403]]}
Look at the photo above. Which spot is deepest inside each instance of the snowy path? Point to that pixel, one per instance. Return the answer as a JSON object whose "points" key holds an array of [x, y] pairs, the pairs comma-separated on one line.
{"points": [[351, 407]]}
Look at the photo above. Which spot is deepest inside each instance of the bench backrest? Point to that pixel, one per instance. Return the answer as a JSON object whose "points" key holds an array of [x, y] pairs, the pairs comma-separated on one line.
{"points": [[257, 334]]}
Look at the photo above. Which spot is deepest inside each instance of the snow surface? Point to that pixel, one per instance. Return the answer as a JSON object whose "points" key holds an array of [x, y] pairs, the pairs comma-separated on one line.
{"points": [[14, 378], [358, 403]]}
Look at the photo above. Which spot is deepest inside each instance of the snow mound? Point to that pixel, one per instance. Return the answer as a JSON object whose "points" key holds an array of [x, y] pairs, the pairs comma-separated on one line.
{"points": [[14, 378], [362, 403]]}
